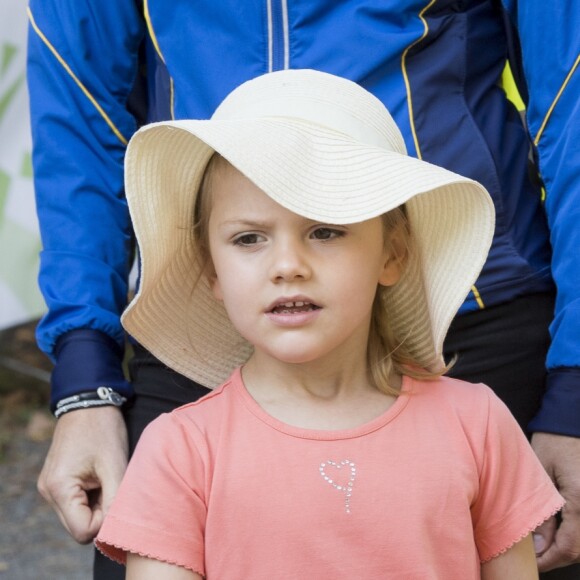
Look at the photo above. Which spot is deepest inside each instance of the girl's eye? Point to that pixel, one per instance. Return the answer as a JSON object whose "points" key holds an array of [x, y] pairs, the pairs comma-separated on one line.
{"points": [[325, 233], [247, 240]]}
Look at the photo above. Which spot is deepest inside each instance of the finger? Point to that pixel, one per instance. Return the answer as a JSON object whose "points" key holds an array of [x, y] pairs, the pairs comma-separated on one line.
{"points": [[44, 486], [544, 536], [68, 498], [86, 448], [78, 511], [110, 484], [564, 550]]}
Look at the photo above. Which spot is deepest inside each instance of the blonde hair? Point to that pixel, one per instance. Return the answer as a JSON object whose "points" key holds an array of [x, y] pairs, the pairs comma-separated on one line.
{"points": [[386, 352]]}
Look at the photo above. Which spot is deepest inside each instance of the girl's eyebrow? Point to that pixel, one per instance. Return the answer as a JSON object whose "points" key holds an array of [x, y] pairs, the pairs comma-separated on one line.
{"points": [[256, 222], [244, 222]]}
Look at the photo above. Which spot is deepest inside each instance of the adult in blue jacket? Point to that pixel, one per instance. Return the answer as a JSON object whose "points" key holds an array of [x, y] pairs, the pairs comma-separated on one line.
{"points": [[98, 69]]}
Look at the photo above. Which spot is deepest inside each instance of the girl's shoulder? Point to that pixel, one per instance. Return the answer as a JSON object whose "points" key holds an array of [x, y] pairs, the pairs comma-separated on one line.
{"points": [[468, 417], [473, 405], [203, 414], [447, 390]]}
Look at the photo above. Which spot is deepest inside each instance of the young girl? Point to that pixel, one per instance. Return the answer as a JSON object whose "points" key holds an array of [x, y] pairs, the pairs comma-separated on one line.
{"points": [[292, 249]]}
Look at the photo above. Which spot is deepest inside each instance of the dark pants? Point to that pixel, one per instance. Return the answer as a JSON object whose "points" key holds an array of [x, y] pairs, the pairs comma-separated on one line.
{"points": [[503, 347]]}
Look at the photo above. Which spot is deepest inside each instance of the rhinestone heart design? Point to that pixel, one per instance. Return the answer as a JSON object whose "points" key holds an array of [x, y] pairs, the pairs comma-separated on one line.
{"points": [[346, 482]]}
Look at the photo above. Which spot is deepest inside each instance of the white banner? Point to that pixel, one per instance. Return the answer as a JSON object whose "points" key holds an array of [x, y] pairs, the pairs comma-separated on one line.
{"points": [[20, 299]]}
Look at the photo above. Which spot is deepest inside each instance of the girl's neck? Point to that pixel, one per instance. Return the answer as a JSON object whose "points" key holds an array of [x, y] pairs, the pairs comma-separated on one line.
{"points": [[315, 396]]}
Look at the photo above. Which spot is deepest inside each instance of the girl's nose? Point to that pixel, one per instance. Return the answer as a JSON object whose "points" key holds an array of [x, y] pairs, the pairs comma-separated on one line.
{"points": [[289, 262]]}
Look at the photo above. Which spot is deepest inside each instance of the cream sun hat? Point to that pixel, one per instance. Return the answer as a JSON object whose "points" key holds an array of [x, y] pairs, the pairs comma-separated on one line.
{"points": [[322, 147]]}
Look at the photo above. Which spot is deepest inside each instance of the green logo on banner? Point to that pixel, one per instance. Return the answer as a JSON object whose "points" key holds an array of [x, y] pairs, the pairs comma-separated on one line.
{"points": [[7, 95]]}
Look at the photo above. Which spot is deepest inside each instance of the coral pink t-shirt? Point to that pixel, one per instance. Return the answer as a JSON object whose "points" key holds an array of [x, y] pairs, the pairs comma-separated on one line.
{"points": [[439, 483]]}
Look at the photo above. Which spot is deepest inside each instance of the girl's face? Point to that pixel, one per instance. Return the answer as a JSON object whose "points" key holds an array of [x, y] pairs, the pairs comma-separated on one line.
{"points": [[297, 289]]}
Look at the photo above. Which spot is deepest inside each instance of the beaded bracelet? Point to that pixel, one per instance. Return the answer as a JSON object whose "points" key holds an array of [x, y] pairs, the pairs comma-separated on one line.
{"points": [[102, 397]]}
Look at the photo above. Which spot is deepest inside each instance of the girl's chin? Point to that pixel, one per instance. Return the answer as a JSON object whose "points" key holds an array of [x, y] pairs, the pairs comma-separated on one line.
{"points": [[287, 356]]}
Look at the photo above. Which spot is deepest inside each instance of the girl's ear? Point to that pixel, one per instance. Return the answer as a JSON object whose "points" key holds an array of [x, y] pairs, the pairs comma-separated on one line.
{"points": [[216, 288], [396, 255], [214, 282]]}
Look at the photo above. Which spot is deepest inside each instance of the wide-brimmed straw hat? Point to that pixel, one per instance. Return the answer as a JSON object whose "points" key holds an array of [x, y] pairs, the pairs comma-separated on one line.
{"points": [[324, 148]]}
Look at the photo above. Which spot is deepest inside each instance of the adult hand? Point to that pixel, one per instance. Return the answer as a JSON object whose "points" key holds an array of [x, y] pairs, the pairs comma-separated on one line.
{"points": [[84, 467], [560, 456]]}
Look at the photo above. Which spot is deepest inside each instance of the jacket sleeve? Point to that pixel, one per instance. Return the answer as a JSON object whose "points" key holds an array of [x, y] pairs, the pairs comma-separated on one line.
{"points": [[550, 46], [82, 66]]}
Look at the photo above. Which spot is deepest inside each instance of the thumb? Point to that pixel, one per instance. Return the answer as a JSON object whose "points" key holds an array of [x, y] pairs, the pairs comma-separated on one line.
{"points": [[544, 536], [110, 485], [76, 511], [100, 502]]}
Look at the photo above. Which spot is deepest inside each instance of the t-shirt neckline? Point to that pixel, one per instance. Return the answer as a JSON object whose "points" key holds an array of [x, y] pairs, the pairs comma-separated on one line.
{"points": [[378, 422]]}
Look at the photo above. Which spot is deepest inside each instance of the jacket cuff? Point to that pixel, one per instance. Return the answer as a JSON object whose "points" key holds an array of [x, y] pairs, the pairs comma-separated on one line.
{"points": [[85, 360], [560, 410]]}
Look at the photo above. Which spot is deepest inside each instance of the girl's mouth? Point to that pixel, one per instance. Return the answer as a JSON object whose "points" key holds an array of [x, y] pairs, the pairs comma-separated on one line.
{"points": [[294, 307]]}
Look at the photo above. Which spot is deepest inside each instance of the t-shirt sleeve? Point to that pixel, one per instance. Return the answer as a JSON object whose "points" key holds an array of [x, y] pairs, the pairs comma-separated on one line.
{"points": [[160, 508], [515, 494]]}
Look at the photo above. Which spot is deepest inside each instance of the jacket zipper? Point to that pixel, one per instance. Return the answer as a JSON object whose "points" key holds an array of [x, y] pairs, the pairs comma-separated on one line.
{"points": [[278, 35]]}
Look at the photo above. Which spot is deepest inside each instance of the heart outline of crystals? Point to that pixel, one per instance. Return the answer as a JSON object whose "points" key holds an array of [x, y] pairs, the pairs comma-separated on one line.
{"points": [[347, 488]]}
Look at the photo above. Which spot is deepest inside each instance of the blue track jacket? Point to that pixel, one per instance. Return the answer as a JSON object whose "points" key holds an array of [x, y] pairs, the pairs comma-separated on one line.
{"points": [[435, 64]]}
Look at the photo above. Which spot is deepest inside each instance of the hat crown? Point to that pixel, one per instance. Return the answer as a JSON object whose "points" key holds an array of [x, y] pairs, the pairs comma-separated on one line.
{"points": [[333, 102]]}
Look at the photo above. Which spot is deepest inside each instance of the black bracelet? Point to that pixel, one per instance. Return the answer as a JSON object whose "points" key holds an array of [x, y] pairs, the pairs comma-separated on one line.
{"points": [[103, 396]]}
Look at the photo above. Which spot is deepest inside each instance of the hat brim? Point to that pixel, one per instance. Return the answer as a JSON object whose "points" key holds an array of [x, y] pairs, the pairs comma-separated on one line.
{"points": [[315, 172]]}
